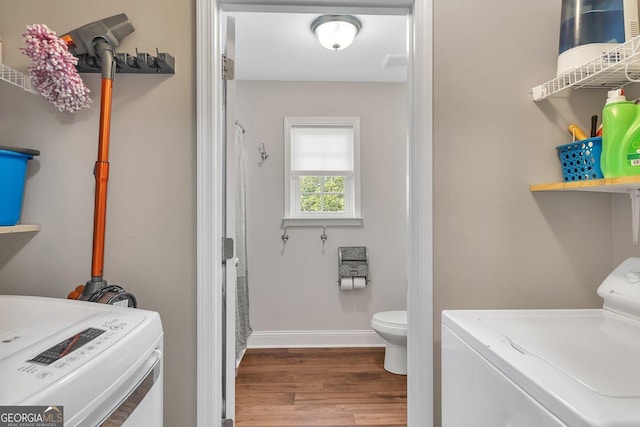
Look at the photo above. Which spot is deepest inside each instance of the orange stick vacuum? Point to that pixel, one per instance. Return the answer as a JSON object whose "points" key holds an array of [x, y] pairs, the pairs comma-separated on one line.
{"points": [[97, 40], [101, 173]]}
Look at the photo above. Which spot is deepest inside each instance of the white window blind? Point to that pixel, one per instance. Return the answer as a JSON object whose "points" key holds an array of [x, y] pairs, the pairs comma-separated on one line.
{"points": [[322, 150]]}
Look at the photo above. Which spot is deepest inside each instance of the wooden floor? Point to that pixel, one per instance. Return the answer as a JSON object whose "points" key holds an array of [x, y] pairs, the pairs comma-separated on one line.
{"points": [[319, 387]]}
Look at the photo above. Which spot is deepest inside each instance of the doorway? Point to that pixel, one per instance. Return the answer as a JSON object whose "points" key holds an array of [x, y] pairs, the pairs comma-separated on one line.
{"points": [[419, 256], [300, 79], [281, 70]]}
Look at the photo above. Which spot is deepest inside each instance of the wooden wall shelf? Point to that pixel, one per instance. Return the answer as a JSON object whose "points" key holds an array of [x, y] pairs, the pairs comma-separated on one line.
{"points": [[624, 184], [20, 228]]}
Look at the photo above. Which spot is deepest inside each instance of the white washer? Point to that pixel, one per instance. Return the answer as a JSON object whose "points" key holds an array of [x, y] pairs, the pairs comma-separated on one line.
{"points": [[537, 368], [101, 363]]}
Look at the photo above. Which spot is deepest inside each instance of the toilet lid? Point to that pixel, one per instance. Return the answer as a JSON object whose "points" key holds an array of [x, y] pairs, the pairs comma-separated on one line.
{"points": [[392, 318]]}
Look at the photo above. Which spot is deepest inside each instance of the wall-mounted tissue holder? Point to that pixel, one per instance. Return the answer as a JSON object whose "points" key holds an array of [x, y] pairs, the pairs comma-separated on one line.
{"points": [[353, 267]]}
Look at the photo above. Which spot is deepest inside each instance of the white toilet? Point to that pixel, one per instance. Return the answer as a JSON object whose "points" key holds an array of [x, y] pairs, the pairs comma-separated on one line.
{"points": [[392, 326]]}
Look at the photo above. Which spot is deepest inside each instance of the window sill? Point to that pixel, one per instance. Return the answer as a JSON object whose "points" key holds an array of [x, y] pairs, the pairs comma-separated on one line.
{"points": [[321, 222]]}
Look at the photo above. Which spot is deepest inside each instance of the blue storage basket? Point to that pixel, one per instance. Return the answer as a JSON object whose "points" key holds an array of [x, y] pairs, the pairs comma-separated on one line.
{"points": [[580, 160], [13, 172]]}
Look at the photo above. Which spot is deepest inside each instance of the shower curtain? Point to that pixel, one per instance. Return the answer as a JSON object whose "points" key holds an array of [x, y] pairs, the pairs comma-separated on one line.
{"points": [[243, 327]]}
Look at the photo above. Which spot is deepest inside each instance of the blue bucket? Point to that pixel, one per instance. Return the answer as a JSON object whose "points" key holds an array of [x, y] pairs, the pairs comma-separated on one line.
{"points": [[13, 173]]}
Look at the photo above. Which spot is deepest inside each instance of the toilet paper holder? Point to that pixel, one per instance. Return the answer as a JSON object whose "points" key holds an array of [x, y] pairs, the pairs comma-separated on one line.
{"points": [[353, 262]]}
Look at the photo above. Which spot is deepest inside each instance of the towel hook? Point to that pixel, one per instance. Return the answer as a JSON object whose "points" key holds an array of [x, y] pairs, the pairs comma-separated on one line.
{"points": [[284, 236], [323, 236], [263, 155]]}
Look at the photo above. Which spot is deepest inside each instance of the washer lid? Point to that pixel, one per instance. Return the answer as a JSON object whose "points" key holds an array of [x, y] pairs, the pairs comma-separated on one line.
{"points": [[599, 352], [581, 365], [392, 318]]}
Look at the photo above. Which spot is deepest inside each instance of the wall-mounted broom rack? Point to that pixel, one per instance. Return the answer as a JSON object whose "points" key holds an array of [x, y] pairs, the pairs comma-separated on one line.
{"points": [[141, 63], [16, 78]]}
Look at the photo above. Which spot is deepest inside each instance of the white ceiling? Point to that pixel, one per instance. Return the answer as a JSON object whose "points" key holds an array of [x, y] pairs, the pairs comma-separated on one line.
{"points": [[281, 46]]}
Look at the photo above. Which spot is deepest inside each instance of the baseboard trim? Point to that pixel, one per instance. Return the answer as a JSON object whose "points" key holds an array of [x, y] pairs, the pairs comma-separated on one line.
{"points": [[299, 339]]}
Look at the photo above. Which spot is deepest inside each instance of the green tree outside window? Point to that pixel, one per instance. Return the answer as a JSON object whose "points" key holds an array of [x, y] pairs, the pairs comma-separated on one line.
{"points": [[322, 194]]}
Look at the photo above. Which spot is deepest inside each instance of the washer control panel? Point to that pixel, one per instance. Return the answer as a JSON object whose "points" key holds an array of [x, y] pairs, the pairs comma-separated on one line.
{"points": [[59, 359], [633, 276], [621, 289], [67, 346]]}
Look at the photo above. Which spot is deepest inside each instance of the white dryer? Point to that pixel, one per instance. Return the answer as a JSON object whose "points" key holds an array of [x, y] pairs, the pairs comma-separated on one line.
{"points": [[538, 368], [101, 363]]}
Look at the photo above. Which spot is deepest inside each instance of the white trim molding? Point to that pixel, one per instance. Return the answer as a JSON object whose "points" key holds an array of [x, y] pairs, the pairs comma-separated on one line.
{"points": [[319, 222], [318, 339], [420, 195], [209, 215], [420, 225]]}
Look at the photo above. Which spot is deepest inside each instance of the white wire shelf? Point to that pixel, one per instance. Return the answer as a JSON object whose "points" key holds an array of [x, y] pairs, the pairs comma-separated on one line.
{"points": [[613, 69], [16, 78]]}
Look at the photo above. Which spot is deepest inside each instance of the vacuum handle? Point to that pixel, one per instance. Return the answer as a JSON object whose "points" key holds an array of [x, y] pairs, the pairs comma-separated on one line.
{"points": [[101, 173]]}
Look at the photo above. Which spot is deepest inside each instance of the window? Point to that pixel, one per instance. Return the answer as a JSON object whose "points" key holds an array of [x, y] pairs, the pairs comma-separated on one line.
{"points": [[322, 170]]}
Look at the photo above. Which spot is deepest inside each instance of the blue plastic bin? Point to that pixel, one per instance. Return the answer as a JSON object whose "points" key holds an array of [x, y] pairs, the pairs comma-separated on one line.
{"points": [[580, 160], [13, 172]]}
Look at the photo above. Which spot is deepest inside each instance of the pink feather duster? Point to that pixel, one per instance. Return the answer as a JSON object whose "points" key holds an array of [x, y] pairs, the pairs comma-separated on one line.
{"points": [[54, 74]]}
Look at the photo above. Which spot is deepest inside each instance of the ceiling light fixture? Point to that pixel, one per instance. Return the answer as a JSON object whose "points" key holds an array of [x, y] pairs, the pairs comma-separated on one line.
{"points": [[336, 32]]}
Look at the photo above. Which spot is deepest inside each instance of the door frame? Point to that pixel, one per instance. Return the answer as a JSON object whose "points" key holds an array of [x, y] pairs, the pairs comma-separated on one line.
{"points": [[210, 137]]}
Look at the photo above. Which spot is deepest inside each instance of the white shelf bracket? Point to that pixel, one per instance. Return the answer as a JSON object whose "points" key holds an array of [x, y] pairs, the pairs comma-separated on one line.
{"points": [[635, 213]]}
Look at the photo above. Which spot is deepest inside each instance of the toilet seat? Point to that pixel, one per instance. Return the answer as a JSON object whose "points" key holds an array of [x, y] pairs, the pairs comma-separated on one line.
{"points": [[391, 322]]}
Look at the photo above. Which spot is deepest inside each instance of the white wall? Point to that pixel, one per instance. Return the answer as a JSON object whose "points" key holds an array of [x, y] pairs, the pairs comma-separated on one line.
{"points": [[150, 234], [295, 287]]}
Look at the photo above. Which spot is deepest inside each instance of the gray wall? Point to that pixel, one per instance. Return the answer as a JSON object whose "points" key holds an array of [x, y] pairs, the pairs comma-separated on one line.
{"points": [[150, 236], [496, 244], [296, 288]]}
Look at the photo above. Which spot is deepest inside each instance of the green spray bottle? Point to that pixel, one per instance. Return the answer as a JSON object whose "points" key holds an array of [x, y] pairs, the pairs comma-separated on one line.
{"points": [[620, 136]]}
